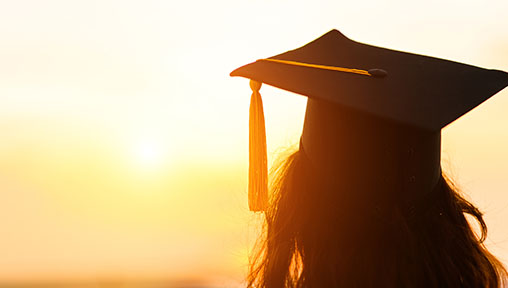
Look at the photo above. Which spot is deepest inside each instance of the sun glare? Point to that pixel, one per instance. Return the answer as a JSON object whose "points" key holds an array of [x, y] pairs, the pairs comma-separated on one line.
{"points": [[149, 153]]}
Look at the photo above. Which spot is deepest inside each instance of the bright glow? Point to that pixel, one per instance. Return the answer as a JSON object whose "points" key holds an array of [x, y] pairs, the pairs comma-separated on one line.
{"points": [[149, 153]]}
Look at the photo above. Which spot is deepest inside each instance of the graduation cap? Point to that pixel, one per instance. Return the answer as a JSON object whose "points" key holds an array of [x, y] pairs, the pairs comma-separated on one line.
{"points": [[389, 106]]}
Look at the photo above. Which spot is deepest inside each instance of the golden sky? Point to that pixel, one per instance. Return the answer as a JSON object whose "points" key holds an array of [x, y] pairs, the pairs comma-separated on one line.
{"points": [[124, 141]]}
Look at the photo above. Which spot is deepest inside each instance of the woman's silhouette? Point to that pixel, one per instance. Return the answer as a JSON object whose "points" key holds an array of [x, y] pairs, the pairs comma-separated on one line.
{"points": [[363, 202]]}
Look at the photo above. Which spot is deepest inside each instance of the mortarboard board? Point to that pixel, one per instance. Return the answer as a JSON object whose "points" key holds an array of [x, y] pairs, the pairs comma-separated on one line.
{"points": [[377, 97]]}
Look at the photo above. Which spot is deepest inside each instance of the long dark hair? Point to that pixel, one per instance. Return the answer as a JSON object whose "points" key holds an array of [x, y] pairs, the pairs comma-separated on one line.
{"points": [[313, 238]]}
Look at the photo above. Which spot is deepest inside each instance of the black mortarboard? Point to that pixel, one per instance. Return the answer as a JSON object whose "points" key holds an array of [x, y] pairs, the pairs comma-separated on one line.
{"points": [[384, 94]]}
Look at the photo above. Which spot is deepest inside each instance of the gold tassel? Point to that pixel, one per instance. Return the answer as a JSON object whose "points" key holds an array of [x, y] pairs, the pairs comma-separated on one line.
{"points": [[258, 171]]}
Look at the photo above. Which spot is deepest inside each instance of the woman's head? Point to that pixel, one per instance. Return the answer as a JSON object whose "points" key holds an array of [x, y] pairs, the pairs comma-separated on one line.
{"points": [[317, 237], [363, 203]]}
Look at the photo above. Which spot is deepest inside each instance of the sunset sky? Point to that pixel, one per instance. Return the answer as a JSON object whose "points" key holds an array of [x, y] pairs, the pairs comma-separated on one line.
{"points": [[124, 142]]}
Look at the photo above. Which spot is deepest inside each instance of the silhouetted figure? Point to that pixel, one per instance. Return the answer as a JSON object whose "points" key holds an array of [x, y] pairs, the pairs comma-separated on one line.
{"points": [[363, 202]]}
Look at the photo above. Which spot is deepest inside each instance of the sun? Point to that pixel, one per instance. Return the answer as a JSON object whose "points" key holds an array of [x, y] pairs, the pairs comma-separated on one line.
{"points": [[149, 153]]}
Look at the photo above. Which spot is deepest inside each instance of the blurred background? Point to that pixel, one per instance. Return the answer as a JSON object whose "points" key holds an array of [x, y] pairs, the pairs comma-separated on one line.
{"points": [[124, 142]]}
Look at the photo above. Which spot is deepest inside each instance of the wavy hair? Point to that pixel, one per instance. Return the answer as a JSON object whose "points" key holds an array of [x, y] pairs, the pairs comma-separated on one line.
{"points": [[313, 238]]}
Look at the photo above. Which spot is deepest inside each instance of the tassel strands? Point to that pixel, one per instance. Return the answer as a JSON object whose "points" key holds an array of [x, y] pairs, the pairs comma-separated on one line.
{"points": [[258, 171]]}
